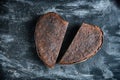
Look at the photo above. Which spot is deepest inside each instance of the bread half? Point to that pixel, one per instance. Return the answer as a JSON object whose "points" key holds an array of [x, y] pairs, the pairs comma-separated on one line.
{"points": [[49, 34], [86, 43]]}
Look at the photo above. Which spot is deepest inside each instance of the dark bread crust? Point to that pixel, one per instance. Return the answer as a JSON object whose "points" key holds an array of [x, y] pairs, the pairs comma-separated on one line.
{"points": [[49, 34], [86, 43]]}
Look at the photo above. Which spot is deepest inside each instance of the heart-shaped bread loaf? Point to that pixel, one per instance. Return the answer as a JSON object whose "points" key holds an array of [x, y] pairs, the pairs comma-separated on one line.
{"points": [[49, 34]]}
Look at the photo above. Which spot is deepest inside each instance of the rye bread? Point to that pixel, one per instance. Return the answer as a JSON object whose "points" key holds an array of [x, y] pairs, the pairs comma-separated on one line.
{"points": [[49, 34], [86, 43]]}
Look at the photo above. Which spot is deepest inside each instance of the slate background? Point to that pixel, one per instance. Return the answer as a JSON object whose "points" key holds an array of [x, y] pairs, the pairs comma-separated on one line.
{"points": [[18, 57]]}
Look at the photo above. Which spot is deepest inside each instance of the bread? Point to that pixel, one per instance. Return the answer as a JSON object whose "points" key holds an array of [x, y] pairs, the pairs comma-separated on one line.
{"points": [[86, 43], [49, 34]]}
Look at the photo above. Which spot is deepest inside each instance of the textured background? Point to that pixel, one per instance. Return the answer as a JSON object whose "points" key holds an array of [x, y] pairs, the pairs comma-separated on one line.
{"points": [[18, 57]]}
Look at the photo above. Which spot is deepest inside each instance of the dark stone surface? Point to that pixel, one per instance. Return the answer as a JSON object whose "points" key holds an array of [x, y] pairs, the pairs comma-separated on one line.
{"points": [[18, 57]]}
